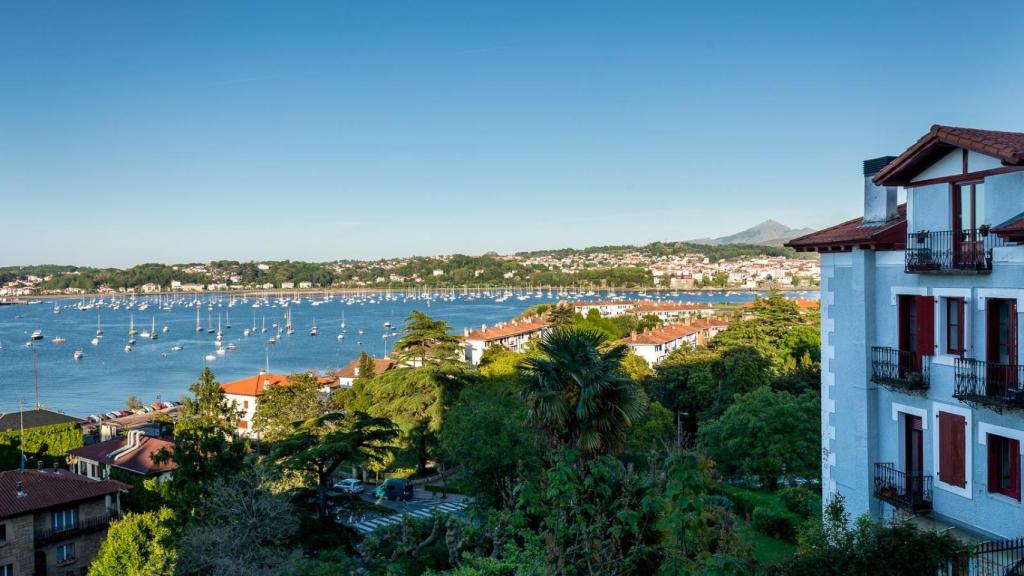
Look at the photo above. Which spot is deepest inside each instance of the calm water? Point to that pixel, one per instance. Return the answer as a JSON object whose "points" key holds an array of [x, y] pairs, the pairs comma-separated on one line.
{"points": [[107, 375]]}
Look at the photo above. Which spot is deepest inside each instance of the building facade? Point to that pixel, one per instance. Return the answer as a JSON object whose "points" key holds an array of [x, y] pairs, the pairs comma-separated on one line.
{"points": [[53, 521], [922, 385], [509, 335]]}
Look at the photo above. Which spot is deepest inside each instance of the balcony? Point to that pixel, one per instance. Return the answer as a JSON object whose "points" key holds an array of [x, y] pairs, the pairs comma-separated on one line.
{"points": [[961, 251], [988, 383], [911, 492], [900, 369], [51, 535]]}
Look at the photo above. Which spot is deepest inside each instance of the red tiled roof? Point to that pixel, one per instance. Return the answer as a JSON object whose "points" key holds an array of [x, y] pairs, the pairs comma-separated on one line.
{"points": [[505, 330], [254, 385], [1012, 229], [660, 335], [852, 233], [669, 306], [46, 489], [940, 140], [139, 460], [380, 365]]}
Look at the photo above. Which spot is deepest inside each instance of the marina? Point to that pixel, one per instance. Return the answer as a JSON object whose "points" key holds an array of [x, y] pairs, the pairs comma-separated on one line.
{"points": [[154, 347]]}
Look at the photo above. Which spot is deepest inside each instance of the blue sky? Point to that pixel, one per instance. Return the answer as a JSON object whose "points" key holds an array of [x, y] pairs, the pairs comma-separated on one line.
{"points": [[189, 131]]}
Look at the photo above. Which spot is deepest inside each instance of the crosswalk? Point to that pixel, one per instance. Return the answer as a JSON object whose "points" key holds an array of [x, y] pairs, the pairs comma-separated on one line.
{"points": [[367, 526]]}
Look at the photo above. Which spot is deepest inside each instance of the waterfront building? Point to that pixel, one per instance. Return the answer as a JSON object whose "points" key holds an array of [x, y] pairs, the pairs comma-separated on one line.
{"points": [[509, 335], [347, 375], [922, 384], [53, 521], [656, 344], [244, 394]]}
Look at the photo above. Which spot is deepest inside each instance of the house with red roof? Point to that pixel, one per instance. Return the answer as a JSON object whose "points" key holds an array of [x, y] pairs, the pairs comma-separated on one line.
{"points": [[133, 454], [922, 381], [656, 344], [244, 393], [53, 521], [509, 335]]}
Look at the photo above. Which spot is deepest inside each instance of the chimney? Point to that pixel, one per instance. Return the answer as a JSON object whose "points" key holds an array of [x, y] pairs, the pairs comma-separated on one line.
{"points": [[879, 201], [21, 490]]}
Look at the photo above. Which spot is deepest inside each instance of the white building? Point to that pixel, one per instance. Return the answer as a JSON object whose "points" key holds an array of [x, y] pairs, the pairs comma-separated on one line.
{"points": [[245, 392], [511, 335], [656, 344]]}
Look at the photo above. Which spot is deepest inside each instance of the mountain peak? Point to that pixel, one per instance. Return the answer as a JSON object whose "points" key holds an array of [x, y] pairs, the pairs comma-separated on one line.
{"points": [[768, 233]]}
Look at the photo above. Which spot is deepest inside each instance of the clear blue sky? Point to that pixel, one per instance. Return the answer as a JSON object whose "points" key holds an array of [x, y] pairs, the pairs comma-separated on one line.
{"points": [[189, 131]]}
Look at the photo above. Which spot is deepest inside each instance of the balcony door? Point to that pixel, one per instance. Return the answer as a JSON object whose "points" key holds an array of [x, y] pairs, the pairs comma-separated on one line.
{"points": [[913, 452], [968, 206], [1001, 347], [916, 332]]}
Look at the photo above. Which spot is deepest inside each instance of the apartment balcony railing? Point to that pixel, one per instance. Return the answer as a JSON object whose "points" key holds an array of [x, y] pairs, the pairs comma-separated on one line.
{"points": [[911, 492], [951, 251], [50, 535], [900, 369], [989, 383]]}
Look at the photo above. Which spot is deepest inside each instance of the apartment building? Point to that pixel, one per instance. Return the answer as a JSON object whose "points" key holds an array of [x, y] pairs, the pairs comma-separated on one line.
{"points": [[510, 335], [922, 383]]}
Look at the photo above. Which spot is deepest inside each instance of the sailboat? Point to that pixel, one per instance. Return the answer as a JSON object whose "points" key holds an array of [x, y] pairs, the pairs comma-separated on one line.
{"points": [[152, 331], [314, 331], [227, 320], [288, 323], [199, 327], [264, 329], [131, 327], [209, 321], [99, 328]]}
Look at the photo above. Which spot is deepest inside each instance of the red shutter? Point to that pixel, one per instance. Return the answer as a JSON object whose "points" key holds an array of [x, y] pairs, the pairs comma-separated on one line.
{"points": [[925, 326], [952, 460]]}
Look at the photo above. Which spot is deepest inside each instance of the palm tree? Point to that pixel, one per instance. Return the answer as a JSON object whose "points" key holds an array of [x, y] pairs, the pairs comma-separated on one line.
{"points": [[320, 445], [578, 394]]}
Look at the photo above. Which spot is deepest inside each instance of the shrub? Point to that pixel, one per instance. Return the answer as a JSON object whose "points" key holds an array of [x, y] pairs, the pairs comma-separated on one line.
{"points": [[776, 521], [744, 501], [800, 500]]}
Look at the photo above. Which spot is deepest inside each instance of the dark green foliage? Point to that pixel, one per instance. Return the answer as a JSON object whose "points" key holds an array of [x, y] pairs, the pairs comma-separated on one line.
{"points": [[776, 521], [800, 500], [578, 395], [46, 443], [281, 406], [426, 340], [834, 546]]}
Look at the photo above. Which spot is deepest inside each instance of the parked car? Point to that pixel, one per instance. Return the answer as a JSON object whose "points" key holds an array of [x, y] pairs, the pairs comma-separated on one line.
{"points": [[394, 489], [349, 486]]}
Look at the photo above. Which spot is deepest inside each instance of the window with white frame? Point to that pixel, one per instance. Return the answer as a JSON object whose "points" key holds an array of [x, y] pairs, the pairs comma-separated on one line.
{"points": [[63, 520], [7, 570], [66, 553]]}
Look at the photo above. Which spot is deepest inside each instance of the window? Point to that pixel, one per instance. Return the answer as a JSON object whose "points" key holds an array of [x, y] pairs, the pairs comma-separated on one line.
{"points": [[3, 537], [1004, 466], [245, 404], [65, 519], [955, 326], [242, 424], [66, 553], [952, 449], [7, 570], [93, 468], [968, 206]]}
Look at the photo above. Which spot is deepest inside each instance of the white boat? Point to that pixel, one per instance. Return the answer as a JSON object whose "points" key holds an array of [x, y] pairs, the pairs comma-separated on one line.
{"points": [[221, 351], [131, 342], [78, 354], [210, 357], [131, 325], [341, 337], [128, 348], [1, 345], [37, 334], [95, 341], [246, 332], [28, 344], [199, 327], [152, 331], [165, 329], [314, 330], [176, 348]]}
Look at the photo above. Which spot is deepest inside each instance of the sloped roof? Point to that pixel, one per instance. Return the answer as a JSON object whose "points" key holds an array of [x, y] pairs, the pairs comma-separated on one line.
{"points": [[34, 419], [254, 385], [853, 233], [380, 365], [660, 335], [45, 489], [139, 460], [940, 140], [505, 330], [1012, 229]]}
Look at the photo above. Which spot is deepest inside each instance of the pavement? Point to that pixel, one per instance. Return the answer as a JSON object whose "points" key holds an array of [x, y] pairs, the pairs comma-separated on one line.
{"points": [[422, 505]]}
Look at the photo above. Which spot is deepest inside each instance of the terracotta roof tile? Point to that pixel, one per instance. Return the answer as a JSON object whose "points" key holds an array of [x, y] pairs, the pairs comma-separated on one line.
{"points": [[380, 365], [505, 330], [940, 140], [842, 237], [660, 335], [45, 489], [254, 385], [139, 460]]}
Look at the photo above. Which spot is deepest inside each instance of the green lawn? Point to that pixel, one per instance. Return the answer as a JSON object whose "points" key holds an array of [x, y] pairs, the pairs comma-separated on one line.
{"points": [[767, 550]]}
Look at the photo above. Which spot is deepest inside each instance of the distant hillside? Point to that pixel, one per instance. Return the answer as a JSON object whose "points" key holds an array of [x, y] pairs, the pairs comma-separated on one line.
{"points": [[767, 233]]}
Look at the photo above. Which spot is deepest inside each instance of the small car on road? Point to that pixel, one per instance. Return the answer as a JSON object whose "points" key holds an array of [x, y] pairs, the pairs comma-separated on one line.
{"points": [[349, 486]]}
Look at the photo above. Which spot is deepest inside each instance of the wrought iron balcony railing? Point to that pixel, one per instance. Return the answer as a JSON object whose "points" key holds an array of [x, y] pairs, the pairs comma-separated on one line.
{"points": [[989, 383], [911, 492], [49, 535], [951, 250], [900, 369]]}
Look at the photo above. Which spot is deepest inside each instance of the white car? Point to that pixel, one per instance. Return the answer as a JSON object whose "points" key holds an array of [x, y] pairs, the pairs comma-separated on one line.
{"points": [[349, 486]]}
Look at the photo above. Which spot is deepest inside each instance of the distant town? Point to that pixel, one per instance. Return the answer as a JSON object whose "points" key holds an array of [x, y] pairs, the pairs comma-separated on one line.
{"points": [[666, 266]]}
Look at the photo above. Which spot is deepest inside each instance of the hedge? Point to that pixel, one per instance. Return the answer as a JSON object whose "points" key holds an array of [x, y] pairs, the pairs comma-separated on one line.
{"points": [[49, 443]]}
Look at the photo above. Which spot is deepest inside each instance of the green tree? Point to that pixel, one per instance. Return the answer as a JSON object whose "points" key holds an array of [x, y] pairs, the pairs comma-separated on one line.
{"points": [[366, 366], [138, 544], [768, 435], [577, 393], [320, 445], [561, 314], [280, 406], [205, 446], [485, 433], [426, 340]]}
